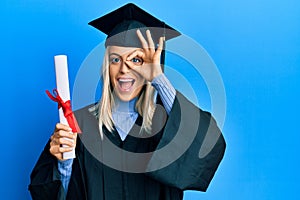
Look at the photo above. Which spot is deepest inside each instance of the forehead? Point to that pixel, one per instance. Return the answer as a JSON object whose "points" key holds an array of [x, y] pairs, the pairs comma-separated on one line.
{"points": [[121, 50]]}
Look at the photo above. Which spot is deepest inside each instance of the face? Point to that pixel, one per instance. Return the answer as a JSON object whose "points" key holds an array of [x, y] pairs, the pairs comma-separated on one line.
{"points": [[126, 82]]}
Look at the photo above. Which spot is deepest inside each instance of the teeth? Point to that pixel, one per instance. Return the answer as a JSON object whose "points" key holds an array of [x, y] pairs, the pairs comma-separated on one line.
{"points": [[125, 83], [126, 79]]}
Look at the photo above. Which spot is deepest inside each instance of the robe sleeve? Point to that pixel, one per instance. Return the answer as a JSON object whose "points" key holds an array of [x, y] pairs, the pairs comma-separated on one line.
{"points": [[190, 149], [45, 181]]}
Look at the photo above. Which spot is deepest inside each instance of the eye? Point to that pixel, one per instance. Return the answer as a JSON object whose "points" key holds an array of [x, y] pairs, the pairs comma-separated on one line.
{"points": [[115, 60], [137, 60]]}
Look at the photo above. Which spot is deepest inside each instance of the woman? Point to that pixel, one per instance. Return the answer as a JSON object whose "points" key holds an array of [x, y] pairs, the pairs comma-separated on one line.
{"points": [[131, 148]]}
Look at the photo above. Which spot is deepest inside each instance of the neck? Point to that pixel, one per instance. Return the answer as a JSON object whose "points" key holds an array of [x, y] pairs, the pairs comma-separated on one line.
{"points": [[124, 106]]}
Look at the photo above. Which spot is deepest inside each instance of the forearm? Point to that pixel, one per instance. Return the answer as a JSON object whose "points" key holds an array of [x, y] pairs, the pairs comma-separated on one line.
{"points": [[44, 178], [165, 90], [65, 170]]}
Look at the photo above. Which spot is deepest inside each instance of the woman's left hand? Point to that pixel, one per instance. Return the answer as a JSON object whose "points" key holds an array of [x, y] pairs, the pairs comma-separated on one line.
{"points": [[150, 67]]}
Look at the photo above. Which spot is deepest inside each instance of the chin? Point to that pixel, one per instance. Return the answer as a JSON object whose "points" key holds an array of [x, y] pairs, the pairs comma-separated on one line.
{"points": [[126, 97]]}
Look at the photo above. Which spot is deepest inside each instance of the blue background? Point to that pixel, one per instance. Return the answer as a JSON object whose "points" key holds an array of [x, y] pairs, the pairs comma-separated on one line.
{"points": [[255, 44]]}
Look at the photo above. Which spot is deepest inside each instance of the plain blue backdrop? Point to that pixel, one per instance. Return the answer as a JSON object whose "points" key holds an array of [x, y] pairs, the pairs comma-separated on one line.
{"points": [[255, 45]]}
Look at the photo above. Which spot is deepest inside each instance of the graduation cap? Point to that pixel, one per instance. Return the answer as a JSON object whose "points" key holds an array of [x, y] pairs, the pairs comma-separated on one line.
{"points": [[121, 25]]}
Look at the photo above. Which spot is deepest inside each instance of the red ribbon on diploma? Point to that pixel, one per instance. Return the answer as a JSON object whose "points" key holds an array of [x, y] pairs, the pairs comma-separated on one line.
{"points": [[66, 107]]}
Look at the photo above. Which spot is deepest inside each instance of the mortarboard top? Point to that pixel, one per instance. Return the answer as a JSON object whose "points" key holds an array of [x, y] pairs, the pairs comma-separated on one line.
{"points": [[121, 24]]}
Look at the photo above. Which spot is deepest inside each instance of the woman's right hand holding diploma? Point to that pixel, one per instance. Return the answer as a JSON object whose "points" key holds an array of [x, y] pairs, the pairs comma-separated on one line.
{"points": [[62, 140]]}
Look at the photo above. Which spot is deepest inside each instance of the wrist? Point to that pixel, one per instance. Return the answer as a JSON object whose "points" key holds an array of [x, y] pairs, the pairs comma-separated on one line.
{"points": [[156, 73]]}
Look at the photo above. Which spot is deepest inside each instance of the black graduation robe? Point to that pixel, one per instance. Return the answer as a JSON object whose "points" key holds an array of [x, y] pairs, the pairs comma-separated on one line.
{"points": [[182, 154]]}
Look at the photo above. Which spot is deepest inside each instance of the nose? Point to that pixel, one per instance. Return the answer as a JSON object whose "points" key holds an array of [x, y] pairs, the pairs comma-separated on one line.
{"points": [[124, 68]]}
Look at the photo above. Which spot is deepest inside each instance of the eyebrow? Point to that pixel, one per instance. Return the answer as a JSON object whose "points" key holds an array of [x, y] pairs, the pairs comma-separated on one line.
{"points": [[111, 54]]}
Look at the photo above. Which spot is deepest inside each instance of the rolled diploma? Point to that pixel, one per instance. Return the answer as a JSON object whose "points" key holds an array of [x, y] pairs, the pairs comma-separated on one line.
{"points": [[62, 84]]}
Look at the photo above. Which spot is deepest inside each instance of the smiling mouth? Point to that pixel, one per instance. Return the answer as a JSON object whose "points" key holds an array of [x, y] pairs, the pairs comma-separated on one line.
{"points": [[125, 83]]}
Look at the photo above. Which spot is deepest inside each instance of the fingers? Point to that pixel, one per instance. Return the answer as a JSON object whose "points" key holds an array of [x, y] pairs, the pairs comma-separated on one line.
{"points": [[60, 126], [142, 39], [161, 43], [62, 130], [150, 40], [137, 53], [149, 45], [159, 48], [65, 134], [146, 44], [62, 140], [150, 65], [58, 151]]}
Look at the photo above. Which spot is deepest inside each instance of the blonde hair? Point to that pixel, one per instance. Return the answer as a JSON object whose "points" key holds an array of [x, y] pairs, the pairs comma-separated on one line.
{"points": [[145, 105]]}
